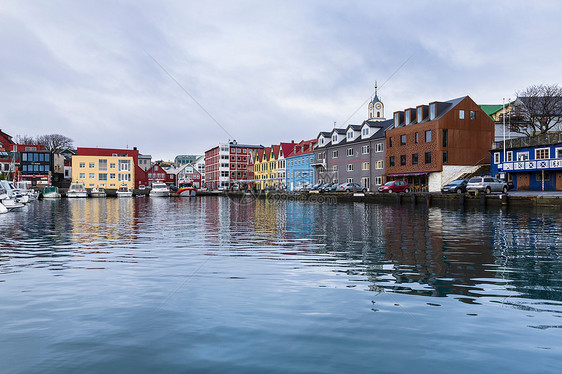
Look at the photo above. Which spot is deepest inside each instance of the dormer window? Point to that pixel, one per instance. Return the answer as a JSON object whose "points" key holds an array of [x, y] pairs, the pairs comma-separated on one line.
{"points": [[334, 138], [420, 114], [350, 135], [321, 140], [365, 131], [396, 119], [407, 120], [432, 112]]}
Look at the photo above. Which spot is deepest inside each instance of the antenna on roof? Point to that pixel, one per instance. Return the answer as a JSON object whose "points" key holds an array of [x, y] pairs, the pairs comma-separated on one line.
{"points": [[334, 124]]}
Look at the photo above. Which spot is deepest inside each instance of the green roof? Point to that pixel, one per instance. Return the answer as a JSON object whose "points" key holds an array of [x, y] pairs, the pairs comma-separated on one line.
{"points": [[490, 109]]}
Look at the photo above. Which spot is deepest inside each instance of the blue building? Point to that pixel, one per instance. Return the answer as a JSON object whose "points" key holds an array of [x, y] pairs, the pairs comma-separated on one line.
{"points": [[299, 170], [533, 163]]}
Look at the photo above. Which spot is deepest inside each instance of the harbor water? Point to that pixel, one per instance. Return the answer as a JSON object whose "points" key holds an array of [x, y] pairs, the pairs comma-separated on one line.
{"points": [[218, 285]]}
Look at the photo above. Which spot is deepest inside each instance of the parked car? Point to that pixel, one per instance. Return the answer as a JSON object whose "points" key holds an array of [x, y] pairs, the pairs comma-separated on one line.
{"points": [[456, 186], [350, 187], [332, 188], [316, 187], [486, 184], [395, 186], [326, 186]]}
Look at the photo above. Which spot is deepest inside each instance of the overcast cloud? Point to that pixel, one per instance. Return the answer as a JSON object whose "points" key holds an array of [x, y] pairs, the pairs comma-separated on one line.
{"points": [[267, 71]]}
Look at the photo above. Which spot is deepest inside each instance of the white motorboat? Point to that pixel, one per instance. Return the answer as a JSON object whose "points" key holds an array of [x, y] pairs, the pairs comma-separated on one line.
{"points": [[159, 190], [14, 193], [3, 209], [32, 194], [124, 191], [98, 192], [51, 192], [6, 202], [77, 189]]}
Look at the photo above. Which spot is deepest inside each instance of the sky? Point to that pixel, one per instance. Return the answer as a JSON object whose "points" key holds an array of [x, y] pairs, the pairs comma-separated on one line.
{"points": [[180, 77]]}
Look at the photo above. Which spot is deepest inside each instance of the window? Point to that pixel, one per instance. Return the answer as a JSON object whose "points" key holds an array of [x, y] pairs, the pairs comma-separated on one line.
{"points": [[102, 165], [334, 154], [390, 142], [335, 168], [445, 137], [124, 177], [124, 165], [365, 131], [407, 116], [420, 114], [349, 180], [432, 112], [496, 158], [509, 156], [378, 181], [391, 161], [521, 156], [461, 114], [396, 119], [416, 138], [539, 176], [379, 147], [92, 165], [558, 152], [379, 164], [542, 153], [402, 139], [112, 165], [472, 114], [428, 157], [82, 165], [102, 176], [350, 135], [365, 182], [91, 175], [350, 151], [365, 149], [82, 175], [428, 136], [334, 138], [365, 166], [445, 157], [24, 156], [349, 167], [402, 160], [415, 159]]}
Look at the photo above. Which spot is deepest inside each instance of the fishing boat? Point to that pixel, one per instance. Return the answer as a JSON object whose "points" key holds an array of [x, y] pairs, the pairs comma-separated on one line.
{"points": [[51, 192], [98, 192], [124, 191], [159, 189], [76, 189], [186, 189]]}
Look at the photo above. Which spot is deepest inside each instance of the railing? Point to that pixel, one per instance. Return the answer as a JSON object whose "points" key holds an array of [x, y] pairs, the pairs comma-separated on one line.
{"points": [[542, 139]]}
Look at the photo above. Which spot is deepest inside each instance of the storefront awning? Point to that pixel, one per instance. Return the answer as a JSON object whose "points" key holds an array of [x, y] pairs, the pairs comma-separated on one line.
{"points": [[407, 174]]}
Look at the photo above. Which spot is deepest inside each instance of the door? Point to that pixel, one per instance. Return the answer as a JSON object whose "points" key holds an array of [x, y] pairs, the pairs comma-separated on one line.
{"points": [[559, 181], [523, 181]]}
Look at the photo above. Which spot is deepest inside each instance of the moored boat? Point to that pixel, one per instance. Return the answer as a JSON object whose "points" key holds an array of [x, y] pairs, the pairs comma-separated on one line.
{"points": [[186, 189], [98, 192], [51, 192], [124, 191], [159, 189], [76, 189]]}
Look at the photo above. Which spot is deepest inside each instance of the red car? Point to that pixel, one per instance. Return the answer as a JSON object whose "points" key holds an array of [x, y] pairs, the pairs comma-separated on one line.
{"points": [[395, 186]]}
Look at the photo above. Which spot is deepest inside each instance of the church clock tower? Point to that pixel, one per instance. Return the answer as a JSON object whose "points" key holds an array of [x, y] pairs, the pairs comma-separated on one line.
{"points": [[376, 108]]}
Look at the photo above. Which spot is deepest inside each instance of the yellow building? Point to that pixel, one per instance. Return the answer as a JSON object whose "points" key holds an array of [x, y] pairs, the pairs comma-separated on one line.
{"points": [[265, 167], [108, 172]]}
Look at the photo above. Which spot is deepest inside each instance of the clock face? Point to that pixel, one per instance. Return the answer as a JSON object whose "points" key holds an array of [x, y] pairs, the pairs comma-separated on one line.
{"points": [[378, 106]]}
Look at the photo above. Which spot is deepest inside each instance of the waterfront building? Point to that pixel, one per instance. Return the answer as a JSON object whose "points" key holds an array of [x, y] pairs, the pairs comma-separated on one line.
{"points": [[281, 170], [107, 172], [431, 145], [41, 167], [226, 165], [9, 152], [356, 153], [299, 170], [262, 168], [139, 177], [145, 162], [157, 173], [185, 173], [531, 163]]}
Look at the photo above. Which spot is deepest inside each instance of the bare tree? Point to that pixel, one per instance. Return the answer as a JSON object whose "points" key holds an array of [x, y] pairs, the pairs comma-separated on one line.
{"points": [[55, 143], [540, 108], [25, 139]]}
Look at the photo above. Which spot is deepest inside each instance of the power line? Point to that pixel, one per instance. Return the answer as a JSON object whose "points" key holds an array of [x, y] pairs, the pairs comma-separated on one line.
{"points": [[188, 94]]}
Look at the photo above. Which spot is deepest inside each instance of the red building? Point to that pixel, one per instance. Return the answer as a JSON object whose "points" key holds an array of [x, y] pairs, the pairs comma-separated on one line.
{"points": [[9, 152], [185, 173], [157, 173], [141, 176]]}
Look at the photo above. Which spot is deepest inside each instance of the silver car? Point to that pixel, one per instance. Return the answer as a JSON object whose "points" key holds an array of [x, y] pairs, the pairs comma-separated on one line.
{"points": [[486, 184]]}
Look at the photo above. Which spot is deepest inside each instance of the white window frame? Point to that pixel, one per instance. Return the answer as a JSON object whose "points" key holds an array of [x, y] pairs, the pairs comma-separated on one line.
{"points": [[349, 180], [380, 147], [461, 114], [509, 156], [334, 154], [349, 167], [540, 150], [558, 152], [334, 167], [379, 164], [522, 156], [82, 165], [350, 135], [91, 165], [82, 176], [378, 181], [349, 152], [496, 158], [365, 166], [365, 149]]}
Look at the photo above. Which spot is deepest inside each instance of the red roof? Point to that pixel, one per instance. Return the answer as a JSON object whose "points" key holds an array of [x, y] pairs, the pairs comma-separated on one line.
{"points": [[287, 148], [303, 147]]}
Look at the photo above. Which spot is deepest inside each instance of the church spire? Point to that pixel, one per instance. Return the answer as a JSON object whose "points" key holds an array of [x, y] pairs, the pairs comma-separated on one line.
{"points": [[376, 107], [376, 98]]}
